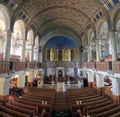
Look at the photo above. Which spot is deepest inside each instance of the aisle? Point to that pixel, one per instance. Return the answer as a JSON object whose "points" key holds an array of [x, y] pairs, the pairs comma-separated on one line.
{"points": [[61, 107], [61, 101]]}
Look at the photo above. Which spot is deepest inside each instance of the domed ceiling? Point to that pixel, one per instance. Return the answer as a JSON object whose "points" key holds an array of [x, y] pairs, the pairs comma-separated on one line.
{"points": [[77, 15]]}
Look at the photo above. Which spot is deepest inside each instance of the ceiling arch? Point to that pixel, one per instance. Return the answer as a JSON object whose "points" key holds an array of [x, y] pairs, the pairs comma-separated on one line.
{"points": [[33, 7], [81, 12], [61, 22], [60, 31]]}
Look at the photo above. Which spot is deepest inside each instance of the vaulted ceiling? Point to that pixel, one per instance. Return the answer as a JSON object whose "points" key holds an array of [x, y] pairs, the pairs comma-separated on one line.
{"points": [[77, 15]]}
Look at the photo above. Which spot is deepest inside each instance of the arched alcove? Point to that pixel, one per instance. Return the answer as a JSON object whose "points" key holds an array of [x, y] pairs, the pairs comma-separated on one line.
{"points": [[17, 38], [29, 44], [102, 35], [4, 25]]}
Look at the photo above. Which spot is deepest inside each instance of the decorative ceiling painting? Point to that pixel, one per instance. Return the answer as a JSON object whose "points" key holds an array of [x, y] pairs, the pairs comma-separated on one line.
{"points": [[75, 14]]}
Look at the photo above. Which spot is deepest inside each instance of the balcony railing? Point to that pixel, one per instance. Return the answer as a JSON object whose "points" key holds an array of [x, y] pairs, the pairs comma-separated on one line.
{"points": [[90, 65], [13, 66], [4, 66], [31, 65], [116, 66], [17, 65], [103, 66]]}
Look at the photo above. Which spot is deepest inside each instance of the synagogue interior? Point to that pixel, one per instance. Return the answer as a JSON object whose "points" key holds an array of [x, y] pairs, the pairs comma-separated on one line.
{"points": [[59, 58]]}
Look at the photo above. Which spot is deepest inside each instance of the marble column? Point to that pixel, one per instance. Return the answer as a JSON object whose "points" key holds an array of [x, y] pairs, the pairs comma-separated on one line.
{"points": [[40, 57], [36, 56], [30, 78], [115, 89], [99, 80], [90, 78], [21, 81], [36, 73], [115, 86], [97, 50], [4, 88], [113, 46], [22, 58], [100, 83], [89, 56], [32, 53], [6, 55]]}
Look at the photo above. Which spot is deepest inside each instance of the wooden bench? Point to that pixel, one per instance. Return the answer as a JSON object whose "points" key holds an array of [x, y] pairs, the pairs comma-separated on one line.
{"points": [[3, 114], [102, 109], [117, 114], [107, 113], [20, 109], [38, 98], [95, 102], [23, 105], [13, 112], [98, 105], [27, 102], [88, 99]]}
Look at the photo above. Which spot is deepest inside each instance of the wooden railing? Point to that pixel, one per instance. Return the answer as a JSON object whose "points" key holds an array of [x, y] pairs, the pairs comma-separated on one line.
{"points": [[4, 66], [17, 66], [90, 65], [14, 58], [102, 66], [116, 66], [31, 65]]}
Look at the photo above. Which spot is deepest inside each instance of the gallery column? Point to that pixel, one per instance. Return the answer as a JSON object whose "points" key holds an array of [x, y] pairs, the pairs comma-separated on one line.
{"points": [[22, 58], [113, 46], [4, 88], [90, 78], [89, 53], [32, 53], [21, 81], [30, 79], [116, 89], [6, 55], [100, 83], [97, 50]]}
